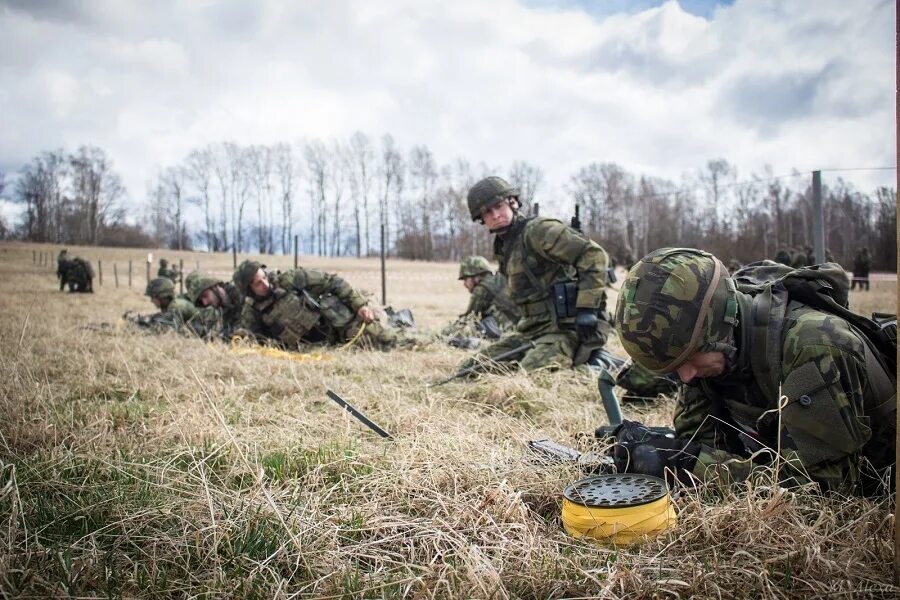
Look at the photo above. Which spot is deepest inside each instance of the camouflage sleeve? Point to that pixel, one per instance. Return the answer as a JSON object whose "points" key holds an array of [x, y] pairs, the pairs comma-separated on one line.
{"points": [[560, 243], [181, 311], [695, 421], [207, 321], [318, 283], [479, 302]]}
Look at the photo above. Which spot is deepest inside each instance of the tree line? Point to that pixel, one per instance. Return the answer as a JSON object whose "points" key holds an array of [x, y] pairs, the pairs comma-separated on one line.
{"points": [[337, 196]]}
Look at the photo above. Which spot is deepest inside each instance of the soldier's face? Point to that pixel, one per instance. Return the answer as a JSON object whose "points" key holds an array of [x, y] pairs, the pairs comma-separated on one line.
{"points": [[470, 283], [156, 302], [211, 296], [497, 216], [259, 285], [702, 365]]}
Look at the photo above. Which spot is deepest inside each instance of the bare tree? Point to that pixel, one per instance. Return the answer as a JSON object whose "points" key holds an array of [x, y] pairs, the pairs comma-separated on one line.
{"points": [[286, 171], [362, 157], [423, 175], [317, 164], [173, 185], [391, 176], [199, 170], [97, 188], [527, 178], [337, 178]]}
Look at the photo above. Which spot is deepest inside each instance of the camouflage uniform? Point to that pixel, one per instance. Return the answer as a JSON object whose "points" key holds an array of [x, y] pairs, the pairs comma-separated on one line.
{"points": [[75, 272], [305, 306], [175, 312], [166, 271], [220, 320], [62, 266], [489, 298], [536, 255], [837, 424]]}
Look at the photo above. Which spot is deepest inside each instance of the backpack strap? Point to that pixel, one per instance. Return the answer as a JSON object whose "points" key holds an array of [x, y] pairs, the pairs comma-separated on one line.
{"points": [[766, 321]]}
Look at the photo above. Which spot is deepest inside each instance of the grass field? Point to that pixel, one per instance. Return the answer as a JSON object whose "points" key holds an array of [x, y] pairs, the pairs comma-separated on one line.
{"points": [[161, 466]]}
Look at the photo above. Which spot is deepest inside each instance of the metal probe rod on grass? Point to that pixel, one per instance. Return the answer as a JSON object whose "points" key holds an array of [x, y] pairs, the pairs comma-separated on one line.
{"points": [[359, 416]]}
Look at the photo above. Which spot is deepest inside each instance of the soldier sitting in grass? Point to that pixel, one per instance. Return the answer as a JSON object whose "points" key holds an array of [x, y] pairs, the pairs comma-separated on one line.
{"points": [[490, 311], [775, 371], [304, 306]]}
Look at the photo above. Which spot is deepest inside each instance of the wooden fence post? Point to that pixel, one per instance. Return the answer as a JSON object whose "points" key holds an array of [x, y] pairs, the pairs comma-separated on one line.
{"points": [[100, 270], [129, 273], [116, 274]]}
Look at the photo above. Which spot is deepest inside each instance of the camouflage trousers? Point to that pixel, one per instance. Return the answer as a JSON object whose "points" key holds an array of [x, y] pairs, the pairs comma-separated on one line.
{"points": [[553, 350]]}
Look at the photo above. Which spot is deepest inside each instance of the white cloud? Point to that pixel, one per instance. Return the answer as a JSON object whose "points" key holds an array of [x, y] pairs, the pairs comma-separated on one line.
{"points": [[660, 90]]}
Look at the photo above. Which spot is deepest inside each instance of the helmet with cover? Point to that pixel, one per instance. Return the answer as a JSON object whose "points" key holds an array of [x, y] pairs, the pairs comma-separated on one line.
{"points": [[473, 266], [198, 283], [161, 287], [488, 192], [245, 273], [674, 303]]}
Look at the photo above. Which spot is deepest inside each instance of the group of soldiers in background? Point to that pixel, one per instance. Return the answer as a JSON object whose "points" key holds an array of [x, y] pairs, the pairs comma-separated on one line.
{"points": [[763, 358], [75, 272]]}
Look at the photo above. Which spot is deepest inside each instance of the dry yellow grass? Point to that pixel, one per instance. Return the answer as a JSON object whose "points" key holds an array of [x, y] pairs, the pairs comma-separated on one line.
{"points": [[162, 466]]}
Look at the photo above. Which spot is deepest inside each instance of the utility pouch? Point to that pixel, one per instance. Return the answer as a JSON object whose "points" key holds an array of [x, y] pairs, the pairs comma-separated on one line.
{"points": [[335, 312], [290, 320], [821, 428], [565, 295]]}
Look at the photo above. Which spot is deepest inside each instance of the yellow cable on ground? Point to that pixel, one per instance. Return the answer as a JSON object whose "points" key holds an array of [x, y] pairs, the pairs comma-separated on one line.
{"points": [[355, 337], [268, 352], [619, 525]]}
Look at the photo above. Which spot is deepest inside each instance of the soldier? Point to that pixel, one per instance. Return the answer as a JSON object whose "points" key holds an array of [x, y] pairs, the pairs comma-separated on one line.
{"points": [[489, 297], [174, 312], [304, 306], [783, 256], [556, 278], [63, 263], [861, 265], [219, 303], [75, 272], [167, 272], [734, 265], [761, 374]]}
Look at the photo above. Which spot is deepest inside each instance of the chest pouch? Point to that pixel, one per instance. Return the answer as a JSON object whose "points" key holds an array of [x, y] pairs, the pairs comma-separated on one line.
{"points": [[565, 295], [335, 312], [821, 426], [290, 320]]}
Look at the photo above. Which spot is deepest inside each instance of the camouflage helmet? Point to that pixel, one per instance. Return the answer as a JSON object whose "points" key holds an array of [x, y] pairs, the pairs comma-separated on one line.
{"points": [[244, 274], [488, 192], [161, 287], [163, 263], [197, 283], [473, 266], [676, 302]]}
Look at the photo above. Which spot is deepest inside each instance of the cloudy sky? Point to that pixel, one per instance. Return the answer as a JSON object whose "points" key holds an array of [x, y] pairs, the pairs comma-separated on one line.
{"points": [[659, 87]]}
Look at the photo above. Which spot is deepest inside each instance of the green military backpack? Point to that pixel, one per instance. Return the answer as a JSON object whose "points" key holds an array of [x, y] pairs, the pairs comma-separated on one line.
{"points": [[824, 287]]}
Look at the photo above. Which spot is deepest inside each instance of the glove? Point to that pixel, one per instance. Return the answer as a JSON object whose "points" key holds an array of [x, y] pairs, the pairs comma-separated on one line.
{"points": [[640, 450], [586, 323]]}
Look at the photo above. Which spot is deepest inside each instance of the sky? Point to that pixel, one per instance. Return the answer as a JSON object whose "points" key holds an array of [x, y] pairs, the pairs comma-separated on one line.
{"points": [[658, 87]]}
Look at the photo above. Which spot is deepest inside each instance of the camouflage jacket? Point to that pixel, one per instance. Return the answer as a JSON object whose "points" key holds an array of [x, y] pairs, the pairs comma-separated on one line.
{"points": [[304, 306], [830, 420], [489, 298], [534, 254], [168, 273], [220, 320]]}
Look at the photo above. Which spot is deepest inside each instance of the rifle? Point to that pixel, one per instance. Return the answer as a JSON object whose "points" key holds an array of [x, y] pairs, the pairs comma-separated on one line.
{"points": [[477, 366]]}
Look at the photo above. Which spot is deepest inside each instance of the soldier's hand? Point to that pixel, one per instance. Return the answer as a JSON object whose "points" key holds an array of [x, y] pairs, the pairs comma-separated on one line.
{"points": [[586, 323], [366, 314], [640, 450]]}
